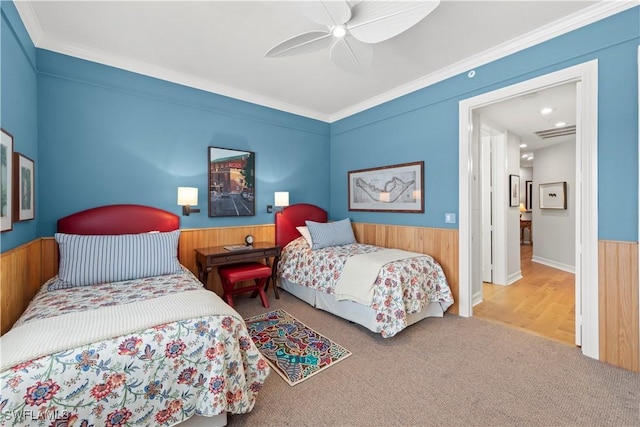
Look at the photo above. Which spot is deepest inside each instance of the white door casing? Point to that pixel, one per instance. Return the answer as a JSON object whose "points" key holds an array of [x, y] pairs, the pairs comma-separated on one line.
{"points": [[586, 75]]}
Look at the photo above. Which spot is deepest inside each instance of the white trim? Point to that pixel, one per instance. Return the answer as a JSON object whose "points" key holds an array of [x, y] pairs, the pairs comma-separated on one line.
{"points": [[569, 23], [587, 209], [554, 264], [514, 277]]}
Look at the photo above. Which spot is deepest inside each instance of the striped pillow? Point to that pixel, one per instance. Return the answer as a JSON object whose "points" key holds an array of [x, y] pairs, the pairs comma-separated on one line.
{"points": [[325, 234], [89, 260]]}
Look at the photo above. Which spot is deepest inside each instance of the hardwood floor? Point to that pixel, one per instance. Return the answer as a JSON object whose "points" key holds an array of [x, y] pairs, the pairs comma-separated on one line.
{"points": [[542, 302]]}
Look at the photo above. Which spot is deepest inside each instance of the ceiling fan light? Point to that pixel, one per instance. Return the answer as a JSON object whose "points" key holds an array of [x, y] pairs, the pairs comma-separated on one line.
{"points": [[339, 31]]}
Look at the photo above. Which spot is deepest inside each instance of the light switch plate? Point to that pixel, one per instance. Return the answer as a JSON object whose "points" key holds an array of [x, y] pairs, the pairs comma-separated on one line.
{"points": [[450, 218]]}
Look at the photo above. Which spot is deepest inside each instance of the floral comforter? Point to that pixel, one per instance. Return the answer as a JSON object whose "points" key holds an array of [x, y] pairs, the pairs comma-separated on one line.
{"points": [[402, 287], [158, 376]]}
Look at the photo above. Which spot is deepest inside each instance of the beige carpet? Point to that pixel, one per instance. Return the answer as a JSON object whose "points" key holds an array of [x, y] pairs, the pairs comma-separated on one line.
{"points": [[448, 372]]}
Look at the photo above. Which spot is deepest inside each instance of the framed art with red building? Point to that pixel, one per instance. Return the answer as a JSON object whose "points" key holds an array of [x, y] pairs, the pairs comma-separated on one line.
{"points": [[232, 178]]}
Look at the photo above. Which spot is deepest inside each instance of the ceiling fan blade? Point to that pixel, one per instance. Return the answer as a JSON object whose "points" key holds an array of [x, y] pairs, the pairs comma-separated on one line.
{"points": [[302, 43], [329, 13], [375, 21], [351, 55]]}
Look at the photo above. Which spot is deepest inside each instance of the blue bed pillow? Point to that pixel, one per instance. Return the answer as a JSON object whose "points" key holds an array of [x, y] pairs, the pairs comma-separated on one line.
{"points": [[89, 260], [326, 234]]}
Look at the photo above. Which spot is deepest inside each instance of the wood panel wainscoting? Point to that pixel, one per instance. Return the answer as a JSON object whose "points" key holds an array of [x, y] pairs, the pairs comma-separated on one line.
{"points": [[619, 311], [440, 243], [25, 268]]}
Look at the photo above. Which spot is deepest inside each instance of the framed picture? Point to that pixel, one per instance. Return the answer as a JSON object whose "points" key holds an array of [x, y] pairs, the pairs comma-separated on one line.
{"points": [[553, 195], [6, 177], [514, 190], [232, 181], [397, 188], [23, 188], [528, 195]]}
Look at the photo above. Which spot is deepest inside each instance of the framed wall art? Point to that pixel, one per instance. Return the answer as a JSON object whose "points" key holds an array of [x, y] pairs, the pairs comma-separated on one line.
{"points": [[232, 179], [514, 190], [396, 188], [553, 195], [23, 188], [6, 177], [528, 195]]}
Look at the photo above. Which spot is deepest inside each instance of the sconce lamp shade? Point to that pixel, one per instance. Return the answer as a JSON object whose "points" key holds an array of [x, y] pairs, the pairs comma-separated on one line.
{"points": [[281, 198], [187, 196]]}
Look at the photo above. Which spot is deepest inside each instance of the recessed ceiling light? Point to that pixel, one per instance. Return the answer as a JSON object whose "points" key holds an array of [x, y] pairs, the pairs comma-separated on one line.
{"points": [[523, 145], [530, 158], [546, 110], [524, 156], [560, 124]]}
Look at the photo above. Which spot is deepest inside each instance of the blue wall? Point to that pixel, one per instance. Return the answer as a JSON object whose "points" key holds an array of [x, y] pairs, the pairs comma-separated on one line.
{"points": [[111, 136], [423, 125], [18, 108], [101, 135]]}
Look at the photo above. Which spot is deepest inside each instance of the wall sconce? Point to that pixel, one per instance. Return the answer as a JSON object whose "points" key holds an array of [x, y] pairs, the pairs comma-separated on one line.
{"points": [[280, 199], [187, 197]]}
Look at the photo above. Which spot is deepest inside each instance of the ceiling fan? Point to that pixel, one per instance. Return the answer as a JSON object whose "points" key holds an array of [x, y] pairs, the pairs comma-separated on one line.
{"points": [[352, 29]]}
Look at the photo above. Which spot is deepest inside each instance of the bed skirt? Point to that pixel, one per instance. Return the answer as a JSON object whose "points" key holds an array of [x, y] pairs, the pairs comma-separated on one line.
{"points": [[349, 310]]}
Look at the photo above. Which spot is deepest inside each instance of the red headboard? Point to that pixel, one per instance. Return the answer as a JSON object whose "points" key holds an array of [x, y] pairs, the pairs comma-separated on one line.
{"points": [[295, 216], [119, 219]]}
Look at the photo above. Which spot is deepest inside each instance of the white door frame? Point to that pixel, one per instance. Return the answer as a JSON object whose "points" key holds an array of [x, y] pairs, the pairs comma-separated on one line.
{"points": [[586, 75]]}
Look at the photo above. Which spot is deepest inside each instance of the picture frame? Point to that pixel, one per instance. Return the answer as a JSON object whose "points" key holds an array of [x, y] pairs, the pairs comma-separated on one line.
{"points": [[514, 190], [23, 188], [6, 181], [528, 195], [395, 188], [553, 195], [231, 182]]}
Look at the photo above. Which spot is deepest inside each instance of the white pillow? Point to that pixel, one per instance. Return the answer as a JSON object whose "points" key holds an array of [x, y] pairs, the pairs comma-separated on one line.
{"points": [[325, 234], [305, 233], [88, 260]]}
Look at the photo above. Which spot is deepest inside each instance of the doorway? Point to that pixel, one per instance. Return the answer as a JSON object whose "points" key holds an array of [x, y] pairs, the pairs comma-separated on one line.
{"points": [[586, 255]]}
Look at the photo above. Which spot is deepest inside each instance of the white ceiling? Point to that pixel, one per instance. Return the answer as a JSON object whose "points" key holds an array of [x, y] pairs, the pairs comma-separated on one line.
{"points": [[219, 46]]}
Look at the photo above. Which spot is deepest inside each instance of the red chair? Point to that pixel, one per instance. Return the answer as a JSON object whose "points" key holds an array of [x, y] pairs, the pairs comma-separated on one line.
{"points": [[234, 273]]}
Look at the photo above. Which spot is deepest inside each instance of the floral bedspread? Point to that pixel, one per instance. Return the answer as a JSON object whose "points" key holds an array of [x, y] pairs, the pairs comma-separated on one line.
{"points": [[402, 287], [153, 377]]}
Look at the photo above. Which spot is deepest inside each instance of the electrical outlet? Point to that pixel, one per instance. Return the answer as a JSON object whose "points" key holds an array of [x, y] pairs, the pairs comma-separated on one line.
{"points": [[450, 218]]}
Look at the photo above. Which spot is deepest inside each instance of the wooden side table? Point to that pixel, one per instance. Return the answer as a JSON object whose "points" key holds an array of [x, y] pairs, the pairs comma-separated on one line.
{"points": [[525, 224], [207, 258]]}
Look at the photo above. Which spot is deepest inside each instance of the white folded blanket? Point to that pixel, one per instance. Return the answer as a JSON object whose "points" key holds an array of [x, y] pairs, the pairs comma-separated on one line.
{"points": [[46, 336], [360, 273]]}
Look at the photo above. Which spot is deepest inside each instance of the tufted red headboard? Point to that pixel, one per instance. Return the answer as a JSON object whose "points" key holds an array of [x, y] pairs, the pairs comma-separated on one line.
{"points": [[119, 219], [295, 216]]}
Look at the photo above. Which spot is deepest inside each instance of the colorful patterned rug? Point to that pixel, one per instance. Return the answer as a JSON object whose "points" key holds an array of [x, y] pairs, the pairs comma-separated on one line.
{"points": [[295, 351]]}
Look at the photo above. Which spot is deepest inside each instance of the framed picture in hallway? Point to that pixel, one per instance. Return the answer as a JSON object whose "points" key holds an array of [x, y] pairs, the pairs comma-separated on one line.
{"points": [[23, 188], [553, 195], [528, 198], [514, 190]]}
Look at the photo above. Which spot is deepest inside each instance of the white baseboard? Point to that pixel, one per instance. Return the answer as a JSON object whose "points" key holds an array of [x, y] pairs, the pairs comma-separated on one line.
{"points": [[554, 264], [514, 277], [476, 299]]}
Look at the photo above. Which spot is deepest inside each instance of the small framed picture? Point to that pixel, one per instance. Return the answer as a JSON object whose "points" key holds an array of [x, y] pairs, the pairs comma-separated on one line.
{"points": [[6, 177], [553, 195], [23, 188], [514, 190]]}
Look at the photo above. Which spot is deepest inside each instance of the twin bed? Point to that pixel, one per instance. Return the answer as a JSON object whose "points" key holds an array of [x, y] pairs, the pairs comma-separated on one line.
{"points": [[125, 335], [407, 287]]}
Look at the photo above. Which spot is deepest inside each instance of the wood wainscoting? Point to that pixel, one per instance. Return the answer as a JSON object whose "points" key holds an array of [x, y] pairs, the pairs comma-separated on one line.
{"points": [[618, 304], [25, 268], [440, 243]]}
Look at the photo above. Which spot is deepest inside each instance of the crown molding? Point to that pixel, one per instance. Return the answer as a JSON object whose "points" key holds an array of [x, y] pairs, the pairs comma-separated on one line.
{"points": [[585, 17], [572, 22]]}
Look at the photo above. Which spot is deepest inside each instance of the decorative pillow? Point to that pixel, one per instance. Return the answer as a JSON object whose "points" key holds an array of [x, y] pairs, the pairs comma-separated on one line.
{"points": [[325, 234], [305, 233], [89, 260]]}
